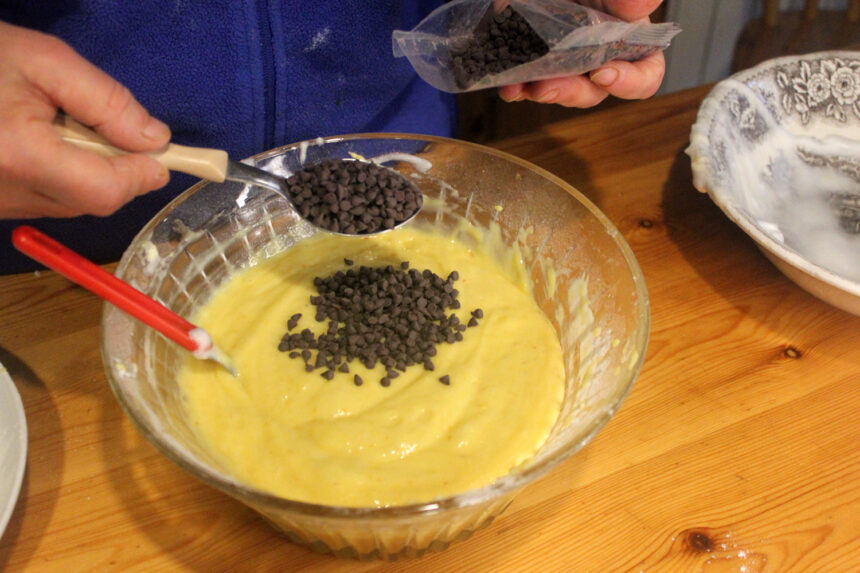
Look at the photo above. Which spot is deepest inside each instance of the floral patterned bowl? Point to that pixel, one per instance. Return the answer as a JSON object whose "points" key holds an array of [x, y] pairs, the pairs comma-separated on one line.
{"points": [[777, 147]]}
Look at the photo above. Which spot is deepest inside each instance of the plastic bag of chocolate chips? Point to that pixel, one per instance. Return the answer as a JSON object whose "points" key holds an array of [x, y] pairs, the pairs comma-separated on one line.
{"points": [[467, 45]]}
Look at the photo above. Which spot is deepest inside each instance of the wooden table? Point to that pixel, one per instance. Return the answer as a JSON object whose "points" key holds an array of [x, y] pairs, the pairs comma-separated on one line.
{"points": [[736, 451]]}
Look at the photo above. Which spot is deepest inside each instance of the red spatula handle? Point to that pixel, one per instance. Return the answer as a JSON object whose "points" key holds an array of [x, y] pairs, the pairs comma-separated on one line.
{"points": [[76, 268]]}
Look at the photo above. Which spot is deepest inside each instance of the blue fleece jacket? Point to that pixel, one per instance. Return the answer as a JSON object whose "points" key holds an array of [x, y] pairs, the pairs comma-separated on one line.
{"points": [[240, 75]]}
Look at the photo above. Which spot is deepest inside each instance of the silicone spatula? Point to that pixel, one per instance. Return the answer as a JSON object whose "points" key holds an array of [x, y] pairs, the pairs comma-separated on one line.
{"points": [[92, 277]]}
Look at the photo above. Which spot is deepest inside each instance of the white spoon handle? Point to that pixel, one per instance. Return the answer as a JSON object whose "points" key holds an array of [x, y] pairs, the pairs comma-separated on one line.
{"points": [[201, 162]]}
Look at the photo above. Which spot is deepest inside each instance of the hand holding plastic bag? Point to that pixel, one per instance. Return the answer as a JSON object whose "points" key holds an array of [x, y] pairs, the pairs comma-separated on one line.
{"points": [[468, 45]]}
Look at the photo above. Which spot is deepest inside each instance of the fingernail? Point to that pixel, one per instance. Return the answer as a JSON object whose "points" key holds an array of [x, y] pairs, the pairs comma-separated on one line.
{"points": [[512, 97], [155, 130], [605, 77], [162, 176], [548, 97]]}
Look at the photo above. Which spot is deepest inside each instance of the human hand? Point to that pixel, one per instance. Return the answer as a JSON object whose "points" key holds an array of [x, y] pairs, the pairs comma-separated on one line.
{"points": [[626, 80], [42, 175]]}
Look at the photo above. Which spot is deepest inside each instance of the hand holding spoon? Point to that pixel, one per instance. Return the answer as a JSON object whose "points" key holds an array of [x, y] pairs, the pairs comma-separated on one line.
{"points": [[345, 197]]}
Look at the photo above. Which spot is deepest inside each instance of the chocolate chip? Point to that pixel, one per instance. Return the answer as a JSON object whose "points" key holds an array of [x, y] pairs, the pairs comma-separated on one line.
{"points": [[390, 315], [353, 197], [293, 321], [446, 380], [505, 41]]}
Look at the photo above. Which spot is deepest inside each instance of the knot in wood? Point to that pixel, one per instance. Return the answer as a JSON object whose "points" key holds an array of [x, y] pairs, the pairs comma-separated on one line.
{"points": [[699, 542], [792, 352]]}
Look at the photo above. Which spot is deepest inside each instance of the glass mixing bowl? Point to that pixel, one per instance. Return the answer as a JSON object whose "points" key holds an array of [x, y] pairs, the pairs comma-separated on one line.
{"points": [[584, 278]]}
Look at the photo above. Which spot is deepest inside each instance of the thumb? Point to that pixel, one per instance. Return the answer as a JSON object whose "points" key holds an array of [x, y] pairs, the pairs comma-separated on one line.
{"points": [[88, 94], [630, 10]]}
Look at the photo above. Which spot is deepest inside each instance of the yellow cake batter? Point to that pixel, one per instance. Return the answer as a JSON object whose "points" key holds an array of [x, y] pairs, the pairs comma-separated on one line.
{"points": [[295, 434]]}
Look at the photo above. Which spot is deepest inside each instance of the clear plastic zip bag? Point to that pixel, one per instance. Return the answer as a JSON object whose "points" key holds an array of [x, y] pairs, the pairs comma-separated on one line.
{"points": [[468, 45]]}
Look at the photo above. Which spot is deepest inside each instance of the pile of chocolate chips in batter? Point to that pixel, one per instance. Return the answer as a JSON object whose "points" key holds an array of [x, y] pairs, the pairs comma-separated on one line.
{"points": [[395, 316], [353, 197], [508, 41]]}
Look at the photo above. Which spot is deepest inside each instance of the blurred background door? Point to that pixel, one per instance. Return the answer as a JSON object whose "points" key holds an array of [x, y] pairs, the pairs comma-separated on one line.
{"points": [[712, 30]]}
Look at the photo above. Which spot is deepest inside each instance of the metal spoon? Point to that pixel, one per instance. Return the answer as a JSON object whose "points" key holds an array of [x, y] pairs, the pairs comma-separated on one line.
{"points": [[211, 164]]}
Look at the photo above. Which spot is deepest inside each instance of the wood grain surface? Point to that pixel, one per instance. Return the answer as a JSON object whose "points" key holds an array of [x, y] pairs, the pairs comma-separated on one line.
{"points": [[736, 451]]}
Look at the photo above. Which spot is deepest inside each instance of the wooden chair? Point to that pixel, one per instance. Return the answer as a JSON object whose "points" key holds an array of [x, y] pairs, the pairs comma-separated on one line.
{"points": [[781, 33]]}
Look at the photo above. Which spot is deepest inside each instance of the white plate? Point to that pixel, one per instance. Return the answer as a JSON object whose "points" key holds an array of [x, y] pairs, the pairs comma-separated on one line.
{"points": [[13, 446]]}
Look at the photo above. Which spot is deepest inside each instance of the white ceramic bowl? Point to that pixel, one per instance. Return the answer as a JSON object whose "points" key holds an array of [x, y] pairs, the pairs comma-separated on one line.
{"points": [[777, 147]]}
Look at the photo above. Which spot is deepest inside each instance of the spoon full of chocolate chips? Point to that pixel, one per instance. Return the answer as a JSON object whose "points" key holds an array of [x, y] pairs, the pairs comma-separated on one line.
{"points": [[342, 196]]}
